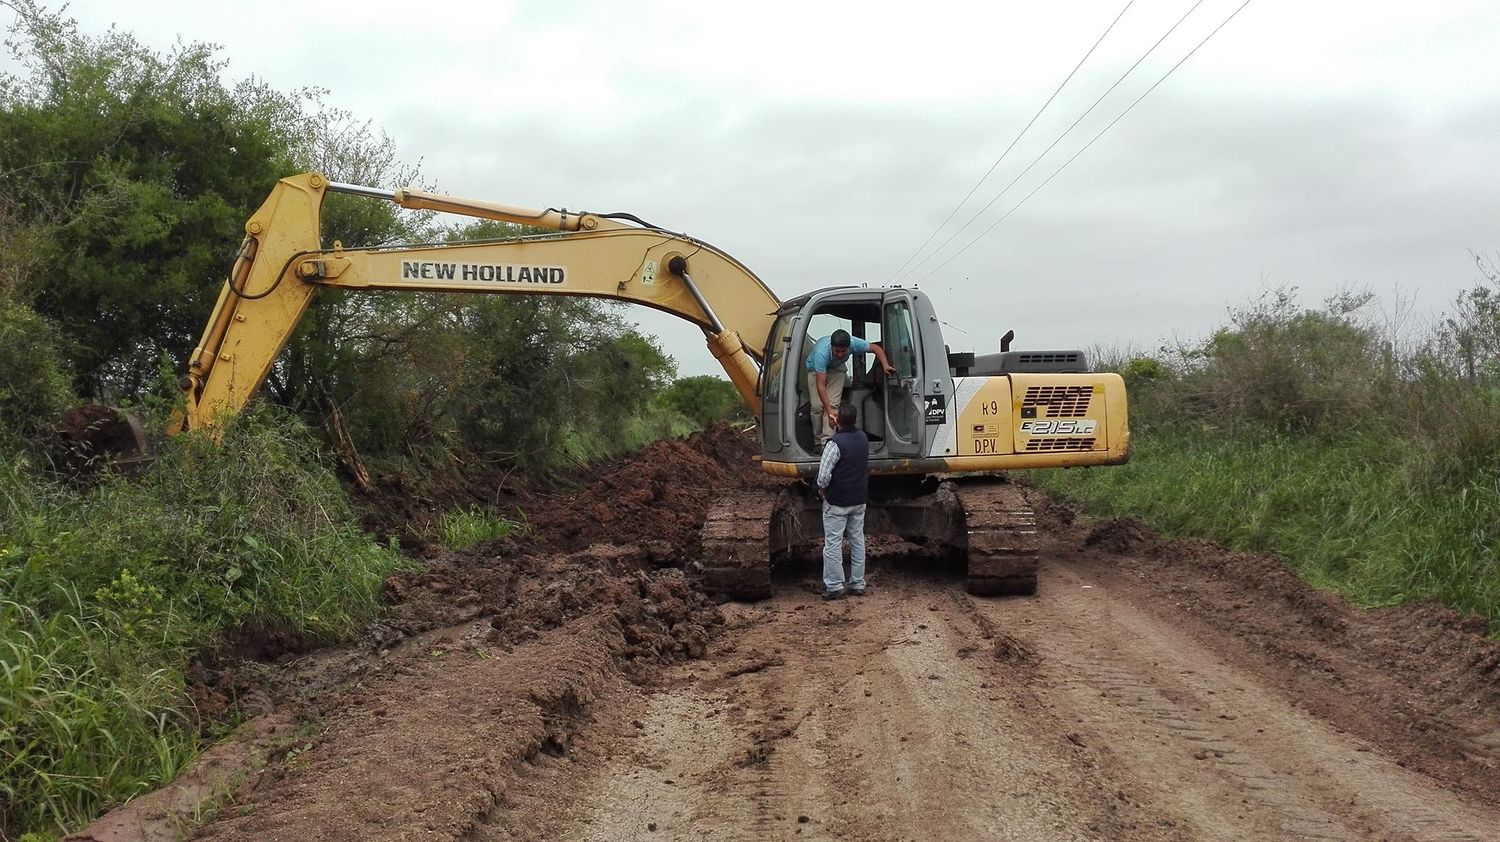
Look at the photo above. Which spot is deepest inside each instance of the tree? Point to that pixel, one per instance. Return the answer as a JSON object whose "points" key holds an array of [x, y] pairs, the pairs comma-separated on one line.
{"points": [[705, 399], [510, 377], [143, 166]]}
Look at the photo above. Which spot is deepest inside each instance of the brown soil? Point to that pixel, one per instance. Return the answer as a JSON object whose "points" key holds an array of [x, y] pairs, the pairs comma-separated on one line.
{"points": [[575, 686]]}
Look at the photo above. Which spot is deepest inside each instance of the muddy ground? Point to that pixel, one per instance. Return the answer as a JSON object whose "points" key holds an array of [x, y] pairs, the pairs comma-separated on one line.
{"points": [[571, 684]]}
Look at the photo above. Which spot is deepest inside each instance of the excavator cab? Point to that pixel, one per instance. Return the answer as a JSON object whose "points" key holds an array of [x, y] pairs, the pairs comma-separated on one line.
{"points": [[895, 411]]}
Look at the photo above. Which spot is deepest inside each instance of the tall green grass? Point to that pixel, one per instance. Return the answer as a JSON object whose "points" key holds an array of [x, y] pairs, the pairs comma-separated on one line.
{"points": [[581, 444], [465, 529], [107, 594], [86, 716], [1346, 514], [1368, 458]]}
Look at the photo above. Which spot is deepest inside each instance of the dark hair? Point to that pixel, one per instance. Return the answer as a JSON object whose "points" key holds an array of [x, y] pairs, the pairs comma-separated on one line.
{"points": [[848, 416], [839, 339]]}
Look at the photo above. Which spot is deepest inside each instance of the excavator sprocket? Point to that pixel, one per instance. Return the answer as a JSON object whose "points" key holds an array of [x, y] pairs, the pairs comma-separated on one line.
{"points": [[736, 561], [1002, 540]]}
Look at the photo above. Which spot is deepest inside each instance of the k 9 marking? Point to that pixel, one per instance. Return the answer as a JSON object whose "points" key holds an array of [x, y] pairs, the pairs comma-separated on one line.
{"points": [[1059, 428]]}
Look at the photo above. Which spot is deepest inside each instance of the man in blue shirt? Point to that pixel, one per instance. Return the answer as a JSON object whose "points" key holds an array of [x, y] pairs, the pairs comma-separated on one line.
{"points": [[827, 367], [844, 485]]}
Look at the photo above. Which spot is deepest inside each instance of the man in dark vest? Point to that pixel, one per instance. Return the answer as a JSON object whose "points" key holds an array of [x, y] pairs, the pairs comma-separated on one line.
{"points": [[844, 483]]}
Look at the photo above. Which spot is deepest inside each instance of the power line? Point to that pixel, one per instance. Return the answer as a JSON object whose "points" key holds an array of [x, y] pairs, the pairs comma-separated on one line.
{"points": [[1012, 145], [1090, 143], [1060, 137]]}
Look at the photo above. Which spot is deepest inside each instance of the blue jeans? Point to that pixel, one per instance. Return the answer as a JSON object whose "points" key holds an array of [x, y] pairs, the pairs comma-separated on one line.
{"points": [[838, 520]]}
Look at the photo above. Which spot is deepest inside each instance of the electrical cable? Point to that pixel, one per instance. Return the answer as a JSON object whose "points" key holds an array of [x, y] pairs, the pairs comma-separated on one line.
{"points": [[1059, 139], [1012, 145], [1091, 142]]}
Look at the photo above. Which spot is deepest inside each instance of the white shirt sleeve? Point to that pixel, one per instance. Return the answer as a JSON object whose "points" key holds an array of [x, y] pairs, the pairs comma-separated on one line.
{"points": [[825, 467]]}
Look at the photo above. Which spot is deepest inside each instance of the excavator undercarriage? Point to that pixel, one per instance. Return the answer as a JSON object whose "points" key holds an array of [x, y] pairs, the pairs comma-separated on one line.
{"points": [[983, 521]]}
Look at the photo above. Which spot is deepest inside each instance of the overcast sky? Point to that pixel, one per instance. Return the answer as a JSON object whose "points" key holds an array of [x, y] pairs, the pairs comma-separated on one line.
{"points": [[1321, 145]]}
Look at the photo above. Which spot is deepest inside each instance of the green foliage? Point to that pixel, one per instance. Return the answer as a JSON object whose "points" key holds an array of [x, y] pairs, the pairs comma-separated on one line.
{"points": [[1278, 367], [342, 335], [1142, 370], [135, 171], [1467, 345], [1306, 434], [539, 371], [88, 718], [466, 529], [143, 167], [250, 536], [705, 400], [34, 387], [109, 592], [1348, 514], [536, 381]]}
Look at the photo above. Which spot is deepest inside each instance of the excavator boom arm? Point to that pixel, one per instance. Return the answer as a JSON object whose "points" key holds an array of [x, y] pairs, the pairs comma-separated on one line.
{"points": [[282, 264]]}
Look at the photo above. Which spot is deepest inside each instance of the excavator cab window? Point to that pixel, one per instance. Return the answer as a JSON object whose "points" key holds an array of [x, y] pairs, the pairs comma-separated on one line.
{"points": [[902, 407], [775, 355], [778, 357]]}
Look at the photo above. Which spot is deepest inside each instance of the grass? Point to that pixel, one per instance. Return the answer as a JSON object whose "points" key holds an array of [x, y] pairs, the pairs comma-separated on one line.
{"points": [[1352, 514], [83, 715], [109, 593], [465, 529]]}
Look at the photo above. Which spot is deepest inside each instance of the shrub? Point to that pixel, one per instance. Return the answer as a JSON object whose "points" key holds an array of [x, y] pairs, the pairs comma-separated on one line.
{"points": [[1285, 369], [705, 399], [34, 382], [110, 592]]}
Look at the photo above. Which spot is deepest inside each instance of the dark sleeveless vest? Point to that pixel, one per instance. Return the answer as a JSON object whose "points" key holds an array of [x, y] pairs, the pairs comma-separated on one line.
{"points": [[850, 485]]}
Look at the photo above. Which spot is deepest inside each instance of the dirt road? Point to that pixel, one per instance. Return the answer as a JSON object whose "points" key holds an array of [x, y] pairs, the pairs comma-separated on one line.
{"points": [[922, 713], [574, 689]]}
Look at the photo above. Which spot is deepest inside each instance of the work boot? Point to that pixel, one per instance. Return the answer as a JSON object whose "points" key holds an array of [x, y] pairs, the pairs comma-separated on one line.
{"points": [[859, 591], [830, 596]]}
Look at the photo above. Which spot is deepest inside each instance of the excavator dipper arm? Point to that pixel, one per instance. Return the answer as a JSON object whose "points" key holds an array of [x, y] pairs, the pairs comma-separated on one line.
{"points": [[282, 264]]}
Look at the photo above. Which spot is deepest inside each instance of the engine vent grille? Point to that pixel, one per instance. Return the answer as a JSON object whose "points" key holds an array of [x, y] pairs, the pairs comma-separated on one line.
{"points": [[1060, 401], [1050, 357], [1054, 445]]}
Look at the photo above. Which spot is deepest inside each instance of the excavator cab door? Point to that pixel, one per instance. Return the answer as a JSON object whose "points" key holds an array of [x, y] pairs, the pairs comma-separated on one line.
{"points": [[903, 399], [780, 364], [891, 408]]}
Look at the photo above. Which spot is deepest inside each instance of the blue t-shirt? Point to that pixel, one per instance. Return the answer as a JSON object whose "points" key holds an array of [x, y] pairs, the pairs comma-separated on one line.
{"points": [[821, 358]]}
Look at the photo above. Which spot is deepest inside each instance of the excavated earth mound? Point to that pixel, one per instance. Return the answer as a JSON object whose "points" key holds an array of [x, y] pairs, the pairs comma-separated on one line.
{"points": [[519, 635]]}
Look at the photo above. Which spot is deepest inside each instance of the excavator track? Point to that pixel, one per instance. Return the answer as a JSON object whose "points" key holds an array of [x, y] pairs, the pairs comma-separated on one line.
{"points": [[1002, 540], [736, 562]]}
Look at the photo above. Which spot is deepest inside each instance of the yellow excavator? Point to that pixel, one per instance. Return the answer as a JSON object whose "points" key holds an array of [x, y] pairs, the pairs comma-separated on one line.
{"points": [[940, 426]]}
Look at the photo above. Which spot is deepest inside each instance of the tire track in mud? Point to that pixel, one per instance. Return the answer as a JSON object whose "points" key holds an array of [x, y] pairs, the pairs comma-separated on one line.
{"points": [[1213, 736], [871, 719], [922, 712]]}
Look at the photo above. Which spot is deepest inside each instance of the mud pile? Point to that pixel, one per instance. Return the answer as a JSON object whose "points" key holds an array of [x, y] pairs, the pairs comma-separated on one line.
{"points": [[609, 542], [482, 660], [603, 543], [90, 436], [662, 493]]}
